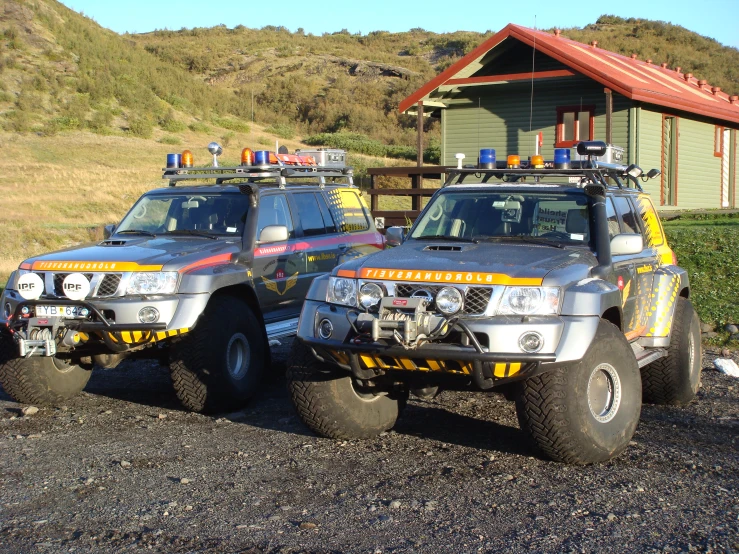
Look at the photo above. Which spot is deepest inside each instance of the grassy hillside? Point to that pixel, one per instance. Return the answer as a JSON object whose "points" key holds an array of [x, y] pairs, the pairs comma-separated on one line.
{"points": [[60, 70], [342, 82]]}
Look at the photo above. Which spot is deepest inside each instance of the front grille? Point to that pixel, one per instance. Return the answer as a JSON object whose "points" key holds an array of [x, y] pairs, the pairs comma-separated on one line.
{"points": [[109, 284], [59, 280], [475, 301]]}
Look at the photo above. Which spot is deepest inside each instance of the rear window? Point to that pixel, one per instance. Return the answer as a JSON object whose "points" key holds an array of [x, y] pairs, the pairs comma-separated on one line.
{"points": [[348, 210], [652, 225]]}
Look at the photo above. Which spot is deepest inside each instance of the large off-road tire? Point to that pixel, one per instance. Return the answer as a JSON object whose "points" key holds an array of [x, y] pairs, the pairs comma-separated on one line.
{"points": [[219, 365], [675, 379], [39, 380], [588, 411], [328, 401]]}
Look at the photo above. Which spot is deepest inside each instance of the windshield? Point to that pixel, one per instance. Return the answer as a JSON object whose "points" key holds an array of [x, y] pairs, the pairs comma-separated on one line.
{"points": [[211, 214], [482, 214]]}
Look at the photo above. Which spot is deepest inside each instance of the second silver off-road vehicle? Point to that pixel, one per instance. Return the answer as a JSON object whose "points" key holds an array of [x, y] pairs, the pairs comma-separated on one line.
{"points": [[554, 286]]}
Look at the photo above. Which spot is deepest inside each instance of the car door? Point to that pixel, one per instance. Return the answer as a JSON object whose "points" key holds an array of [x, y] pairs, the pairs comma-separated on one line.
{"points": [[637, 272], [278, 266], [320, 244], [650, 258]]}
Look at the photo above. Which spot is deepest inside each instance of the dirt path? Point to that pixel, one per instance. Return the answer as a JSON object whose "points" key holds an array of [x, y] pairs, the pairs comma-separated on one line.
{"points": [[122, 468]]}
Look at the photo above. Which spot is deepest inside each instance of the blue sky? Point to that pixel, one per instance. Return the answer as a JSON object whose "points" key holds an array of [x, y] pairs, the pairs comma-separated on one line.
{"points": [[714, 18]]}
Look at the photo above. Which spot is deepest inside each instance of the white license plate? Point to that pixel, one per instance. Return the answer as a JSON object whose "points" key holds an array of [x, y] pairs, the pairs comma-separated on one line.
{"points": [[57, 311]]}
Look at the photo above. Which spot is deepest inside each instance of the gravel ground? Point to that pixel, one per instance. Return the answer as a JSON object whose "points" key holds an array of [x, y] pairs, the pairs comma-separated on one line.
{"points": [[123, 468]]}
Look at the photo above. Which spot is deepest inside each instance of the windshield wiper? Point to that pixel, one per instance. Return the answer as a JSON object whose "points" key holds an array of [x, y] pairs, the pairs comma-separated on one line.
{"points": [[192, 233], [522, 238], [447, 237], [135, 232]]}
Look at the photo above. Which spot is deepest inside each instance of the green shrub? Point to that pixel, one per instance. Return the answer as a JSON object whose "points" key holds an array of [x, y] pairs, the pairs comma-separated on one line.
{"points": [[199, 127], [17, 121], [226, 138], [100, 121], [230, 124], [282, 130], [169, 139], [264, 141], [171, 124], [140, 126], [361, 144], [711, 258]]}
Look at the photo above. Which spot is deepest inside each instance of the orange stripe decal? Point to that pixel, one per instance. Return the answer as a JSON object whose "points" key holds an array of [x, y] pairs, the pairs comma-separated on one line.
{"points": [[94, 266], [462, 277], [347, 273], [220, 259]]}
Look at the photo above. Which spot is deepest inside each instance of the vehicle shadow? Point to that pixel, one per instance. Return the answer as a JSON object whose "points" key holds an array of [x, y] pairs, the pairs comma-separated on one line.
{"points": [[431, 422]]}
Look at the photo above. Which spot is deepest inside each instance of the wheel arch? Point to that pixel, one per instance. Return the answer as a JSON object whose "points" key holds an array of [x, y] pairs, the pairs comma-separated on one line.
{"points": [[613, 314], [246, 293]]}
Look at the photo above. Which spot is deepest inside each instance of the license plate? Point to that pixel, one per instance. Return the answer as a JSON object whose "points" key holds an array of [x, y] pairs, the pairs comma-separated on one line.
{"points": [[58, 311]]}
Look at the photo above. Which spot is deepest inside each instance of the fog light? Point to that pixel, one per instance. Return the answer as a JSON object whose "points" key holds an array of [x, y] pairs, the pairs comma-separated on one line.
{"points": [[25, 310], [325, 329], [149, 314], [8, 310], [84, 312], [531, 342]]}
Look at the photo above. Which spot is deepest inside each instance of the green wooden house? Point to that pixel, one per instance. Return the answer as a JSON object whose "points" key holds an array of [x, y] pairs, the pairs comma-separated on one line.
{"points": [[522, 82]]}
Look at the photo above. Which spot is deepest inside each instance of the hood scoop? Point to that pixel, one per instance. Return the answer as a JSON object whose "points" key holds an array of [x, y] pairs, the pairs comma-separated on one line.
{"points": [[109, 242], [445, 248]]}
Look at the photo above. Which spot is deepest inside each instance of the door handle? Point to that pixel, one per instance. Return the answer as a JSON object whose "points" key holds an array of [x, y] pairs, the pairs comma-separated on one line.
{"points": [[343, 247]]}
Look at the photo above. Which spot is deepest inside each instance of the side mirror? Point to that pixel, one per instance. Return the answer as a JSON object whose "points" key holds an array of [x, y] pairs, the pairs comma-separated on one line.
{"points": [[394, 236], [626, 244], [273, 233], [108, 231]]}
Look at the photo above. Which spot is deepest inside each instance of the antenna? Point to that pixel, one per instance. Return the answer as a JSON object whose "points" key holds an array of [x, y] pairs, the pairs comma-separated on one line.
{"points": [[479, 109], [531, 107]]}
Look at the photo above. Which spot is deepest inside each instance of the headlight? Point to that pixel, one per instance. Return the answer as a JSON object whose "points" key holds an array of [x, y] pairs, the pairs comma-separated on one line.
{"points": [[449, 300], [370, 295], [155, 282], [529, 301], [342, 291]]}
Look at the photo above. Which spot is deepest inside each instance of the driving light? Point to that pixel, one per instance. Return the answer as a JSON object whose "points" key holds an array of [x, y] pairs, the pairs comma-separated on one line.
{"points": [[155, 282], [342, 291], [531, 342], [529, 301], [370, 295], [149, 314], [449, 300]]}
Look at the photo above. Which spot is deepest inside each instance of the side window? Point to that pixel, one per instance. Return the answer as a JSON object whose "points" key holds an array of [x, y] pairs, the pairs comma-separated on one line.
{"points": [[653, 232], [328, 221], [347, 210], [628, 218], [613, 228], [273, 210], [310, 214]]}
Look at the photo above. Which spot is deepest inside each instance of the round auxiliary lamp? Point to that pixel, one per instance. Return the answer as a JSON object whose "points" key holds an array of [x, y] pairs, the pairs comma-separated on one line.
{"points": [[215, 149]]}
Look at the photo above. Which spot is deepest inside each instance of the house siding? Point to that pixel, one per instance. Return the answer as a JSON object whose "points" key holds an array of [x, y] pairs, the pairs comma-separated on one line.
{"points": [[499, 116], [699, 171], [649, 149]]}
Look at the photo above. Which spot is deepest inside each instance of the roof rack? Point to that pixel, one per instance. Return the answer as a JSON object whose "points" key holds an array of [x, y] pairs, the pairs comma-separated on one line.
{"points": [[588, 171], [260, 175]]}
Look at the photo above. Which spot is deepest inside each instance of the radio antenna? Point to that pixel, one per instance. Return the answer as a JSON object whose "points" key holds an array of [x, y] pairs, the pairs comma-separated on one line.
{"points": [[531, 107]]}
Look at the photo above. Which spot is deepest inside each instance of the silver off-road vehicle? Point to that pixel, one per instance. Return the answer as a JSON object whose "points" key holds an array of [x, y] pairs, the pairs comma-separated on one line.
{"points": [[201, 276], [553, 286]]}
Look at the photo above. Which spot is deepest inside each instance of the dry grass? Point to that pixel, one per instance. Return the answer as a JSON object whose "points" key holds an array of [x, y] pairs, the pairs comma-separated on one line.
{"points": [[59, 191]]}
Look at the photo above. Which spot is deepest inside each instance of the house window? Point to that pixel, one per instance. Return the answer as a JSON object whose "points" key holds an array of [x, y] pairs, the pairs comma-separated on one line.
{"points": [[574, 124], [718, 141]]}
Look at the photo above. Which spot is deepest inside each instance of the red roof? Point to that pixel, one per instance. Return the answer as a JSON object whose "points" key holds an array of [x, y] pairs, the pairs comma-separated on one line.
{"points": [[635, 79]]}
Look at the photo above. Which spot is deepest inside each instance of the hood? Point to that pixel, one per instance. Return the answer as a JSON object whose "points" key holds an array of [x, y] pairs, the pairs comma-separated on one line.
{"points": [[134, 254], [482, 263]]}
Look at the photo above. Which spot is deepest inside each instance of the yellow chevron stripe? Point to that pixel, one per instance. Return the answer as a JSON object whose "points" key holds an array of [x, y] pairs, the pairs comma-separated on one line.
{"points": [[368, 361]]}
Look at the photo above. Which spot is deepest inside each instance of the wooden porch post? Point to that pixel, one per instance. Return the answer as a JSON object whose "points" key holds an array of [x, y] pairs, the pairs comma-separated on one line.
{"points": [[609, 115], [419, 130]]}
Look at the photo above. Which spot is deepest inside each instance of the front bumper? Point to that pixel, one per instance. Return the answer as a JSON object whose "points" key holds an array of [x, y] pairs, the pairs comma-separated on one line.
{"points": [[566, 339]]}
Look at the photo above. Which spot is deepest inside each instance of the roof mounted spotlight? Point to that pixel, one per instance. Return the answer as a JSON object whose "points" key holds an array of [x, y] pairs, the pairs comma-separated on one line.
{"points": [[459, 157], [634, 171], [652, 174], [215, 149]]}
